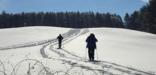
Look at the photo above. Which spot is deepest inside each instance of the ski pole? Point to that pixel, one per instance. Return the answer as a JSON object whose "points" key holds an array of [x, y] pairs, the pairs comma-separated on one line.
{"points": [[86, 54], [97, 54]]}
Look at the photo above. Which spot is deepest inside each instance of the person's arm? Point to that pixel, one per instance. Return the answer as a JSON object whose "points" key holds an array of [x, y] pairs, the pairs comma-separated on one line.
{"points": [[87, 39], [95, 43], [57, 37], [96, 40], [87, 42]]}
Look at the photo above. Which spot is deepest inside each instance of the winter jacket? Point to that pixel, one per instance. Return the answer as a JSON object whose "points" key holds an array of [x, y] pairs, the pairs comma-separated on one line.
{"points": [[60, 38], [91, 42]]}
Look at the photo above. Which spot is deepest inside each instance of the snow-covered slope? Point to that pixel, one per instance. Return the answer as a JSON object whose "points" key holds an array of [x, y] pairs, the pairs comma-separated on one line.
{"points": [[120, 51], [28, 34], [126, 47]]}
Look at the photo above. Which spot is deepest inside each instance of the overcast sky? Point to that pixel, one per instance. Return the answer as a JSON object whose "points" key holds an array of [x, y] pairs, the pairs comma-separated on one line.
{"points": [[113, 6]]}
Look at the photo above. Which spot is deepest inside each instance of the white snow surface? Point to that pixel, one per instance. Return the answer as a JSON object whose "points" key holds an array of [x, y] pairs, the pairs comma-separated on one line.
{"points": [[14, 36], [126, 47], [119, 51]]}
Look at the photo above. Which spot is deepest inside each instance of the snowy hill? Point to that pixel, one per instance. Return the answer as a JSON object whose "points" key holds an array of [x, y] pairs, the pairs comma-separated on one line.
{"points": [[33, 51]]}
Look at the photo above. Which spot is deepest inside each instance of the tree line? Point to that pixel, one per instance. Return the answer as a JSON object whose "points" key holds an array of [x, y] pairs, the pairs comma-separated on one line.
{"points": [[60, 19], [144, 19]]}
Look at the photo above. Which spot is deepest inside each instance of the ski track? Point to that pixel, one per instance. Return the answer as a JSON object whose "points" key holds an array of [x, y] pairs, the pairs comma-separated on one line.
{"points": [[72, 34], [75, 61]]}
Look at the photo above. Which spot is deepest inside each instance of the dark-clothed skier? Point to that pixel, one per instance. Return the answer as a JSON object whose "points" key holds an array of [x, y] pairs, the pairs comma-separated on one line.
{"points": [[60, 38], [91, 45]]}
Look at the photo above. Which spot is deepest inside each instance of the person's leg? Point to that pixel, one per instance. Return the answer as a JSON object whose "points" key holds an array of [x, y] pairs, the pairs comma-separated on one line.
{"points": [[89, 54], [59, 44], [92, 54]]}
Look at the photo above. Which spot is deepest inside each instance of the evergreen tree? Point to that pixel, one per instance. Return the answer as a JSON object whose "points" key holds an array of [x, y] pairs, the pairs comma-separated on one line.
{"points": [[144, 19], [60, 19], [127, 19]]}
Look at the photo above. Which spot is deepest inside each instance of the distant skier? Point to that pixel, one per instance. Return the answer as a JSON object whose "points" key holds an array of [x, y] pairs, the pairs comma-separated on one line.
{"points": [[60, 38], [91, 45]]}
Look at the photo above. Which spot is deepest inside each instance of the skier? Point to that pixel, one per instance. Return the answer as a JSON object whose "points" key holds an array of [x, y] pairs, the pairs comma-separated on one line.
{"points": [[91, 45], [60, 38]]}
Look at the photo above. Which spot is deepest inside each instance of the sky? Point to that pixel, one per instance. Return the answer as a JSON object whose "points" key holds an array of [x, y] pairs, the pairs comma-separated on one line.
{"points": [[113, 6]]}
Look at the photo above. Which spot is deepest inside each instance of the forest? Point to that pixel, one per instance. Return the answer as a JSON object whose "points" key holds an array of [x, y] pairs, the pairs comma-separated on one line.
{"points": [[60, 19], [142, 20]]}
